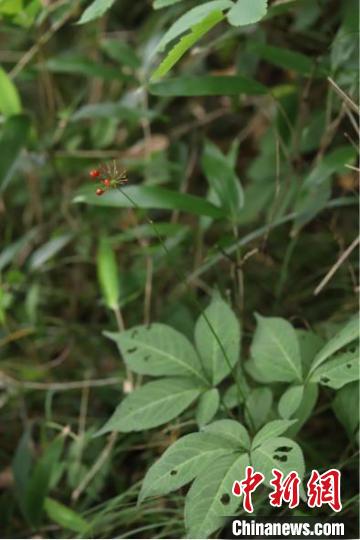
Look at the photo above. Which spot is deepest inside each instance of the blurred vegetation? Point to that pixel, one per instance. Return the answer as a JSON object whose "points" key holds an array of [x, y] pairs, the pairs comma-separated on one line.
{"points": [[245, 158]]}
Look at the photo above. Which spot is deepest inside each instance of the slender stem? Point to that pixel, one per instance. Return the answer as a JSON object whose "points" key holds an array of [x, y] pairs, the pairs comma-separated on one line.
{"points": [[198, 306]]}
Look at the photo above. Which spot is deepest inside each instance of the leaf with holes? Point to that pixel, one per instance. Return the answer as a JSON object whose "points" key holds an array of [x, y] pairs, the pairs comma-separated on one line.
{"points": [[345, 336], [247, 12], [231, 430], [275, 350], [290, 401], [207, 407], [152, 405], [218, 343], [343, 369], [279, 453], [270, 431], [184, 460], [157, 350], [210, 496]]}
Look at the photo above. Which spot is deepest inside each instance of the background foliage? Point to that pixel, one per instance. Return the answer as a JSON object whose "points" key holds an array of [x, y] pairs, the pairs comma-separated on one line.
{"points": [[225, 273]]}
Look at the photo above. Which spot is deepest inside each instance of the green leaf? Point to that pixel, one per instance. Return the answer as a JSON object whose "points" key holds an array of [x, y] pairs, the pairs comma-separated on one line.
{"points": [[332, 163], [218, 343], [308, 402], [208, 85], [64, 516], [223, 180], [210, 496], [247, 12], [275, 350], [182, 461], [108, 109], [270, 431], [310, 344], [152, 405], [108, 273], [346, 407], [285, 58], [151, 197], [344, 337], [21, 468], [290, 401], [343, 369], [187, 41], [207, 407], [278, 453], [159, 4], [232, 397], [258, 405], [9, 97], [121, 52], [39, 483], [75, 64], [190, 19], [11, 7], [231, 430], [48, 250], [95, 10], [13, 137], [158, 349]]}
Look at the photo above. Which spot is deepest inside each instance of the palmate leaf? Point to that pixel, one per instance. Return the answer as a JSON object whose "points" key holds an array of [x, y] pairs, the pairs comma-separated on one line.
{"points": [[218, 343], [157, 350], [210, 496], [275, 350], [341, 370], [197, 32], [152, 405], [184, 460], [278, 453]]}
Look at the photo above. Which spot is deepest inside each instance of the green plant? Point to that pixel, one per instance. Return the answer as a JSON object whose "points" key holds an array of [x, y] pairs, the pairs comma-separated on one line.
{"points": [[225, 271]]}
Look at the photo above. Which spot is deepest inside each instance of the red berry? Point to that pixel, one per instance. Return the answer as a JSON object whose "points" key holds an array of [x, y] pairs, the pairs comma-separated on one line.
{"points": [[99, 191], [107, 182], [94, 173]]}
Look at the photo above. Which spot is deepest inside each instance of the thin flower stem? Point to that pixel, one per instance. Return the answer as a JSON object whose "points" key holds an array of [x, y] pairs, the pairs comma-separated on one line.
{"points": [[182, 278]]}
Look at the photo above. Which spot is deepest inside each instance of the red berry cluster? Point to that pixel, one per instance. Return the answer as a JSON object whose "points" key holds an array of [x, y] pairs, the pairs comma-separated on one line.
{"points": [[109, 176]]}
